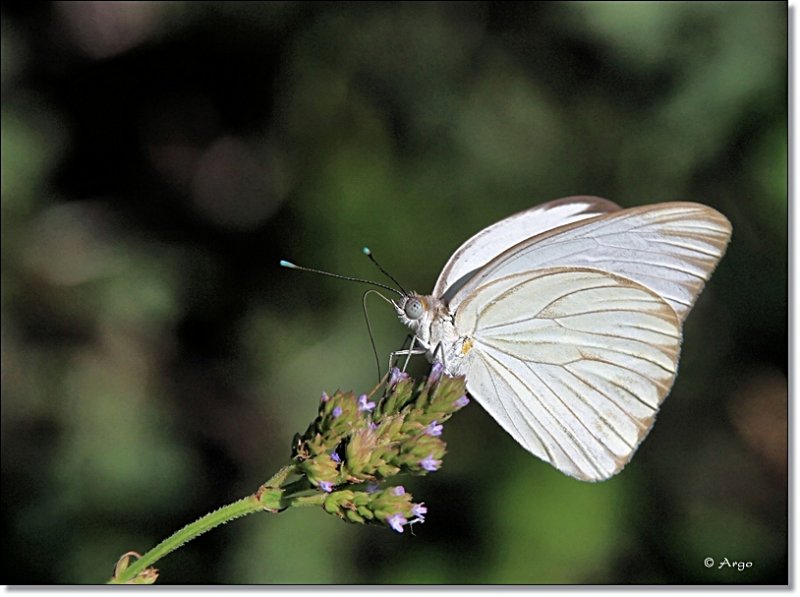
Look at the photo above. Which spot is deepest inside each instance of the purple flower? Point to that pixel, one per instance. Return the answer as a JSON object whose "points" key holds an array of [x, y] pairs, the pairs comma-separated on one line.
{"points": [[363, 405], [419, 511], [335, 457], [430, 464], [325, 397], [436, 372], [337, 412], [373, 425], [434, 429], [461, 402], [399, 490], [372, 487], [326, 486], [396, 521], [397, 376]]}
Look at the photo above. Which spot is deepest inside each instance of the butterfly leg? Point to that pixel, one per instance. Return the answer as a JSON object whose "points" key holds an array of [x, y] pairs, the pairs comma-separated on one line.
{"points": [[438, 354], [409, 338], [407, 352]]}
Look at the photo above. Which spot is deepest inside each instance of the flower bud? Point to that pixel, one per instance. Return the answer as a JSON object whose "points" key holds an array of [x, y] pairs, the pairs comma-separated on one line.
{"points": [[353, 516], [356, 444], [321, 471]]}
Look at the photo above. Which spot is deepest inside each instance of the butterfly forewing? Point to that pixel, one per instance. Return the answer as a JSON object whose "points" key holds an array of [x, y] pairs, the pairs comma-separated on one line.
{"points": [[573, 363], [671, 248], [490, 242]]}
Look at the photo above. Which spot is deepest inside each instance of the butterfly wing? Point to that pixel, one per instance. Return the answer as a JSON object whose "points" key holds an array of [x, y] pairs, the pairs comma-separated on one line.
{"points": [[497, 238], [573, 363], [671, 248]]}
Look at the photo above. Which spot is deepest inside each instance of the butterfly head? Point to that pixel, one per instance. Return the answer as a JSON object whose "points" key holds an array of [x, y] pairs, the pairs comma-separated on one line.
{"points": [[417, 312], [411, 309], [414, 308]]}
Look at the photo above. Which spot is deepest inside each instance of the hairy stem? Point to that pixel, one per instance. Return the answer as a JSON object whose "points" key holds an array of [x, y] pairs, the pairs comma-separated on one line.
{"points": [[270, 497]]}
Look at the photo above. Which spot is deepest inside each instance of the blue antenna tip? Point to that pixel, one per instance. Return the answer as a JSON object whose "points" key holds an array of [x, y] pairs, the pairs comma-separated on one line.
{"points": [[366, 251], [289, 264]]}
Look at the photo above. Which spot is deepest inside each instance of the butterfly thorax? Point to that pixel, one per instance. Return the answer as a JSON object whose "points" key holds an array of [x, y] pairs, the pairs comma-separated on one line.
{"points": [[435, 331]]}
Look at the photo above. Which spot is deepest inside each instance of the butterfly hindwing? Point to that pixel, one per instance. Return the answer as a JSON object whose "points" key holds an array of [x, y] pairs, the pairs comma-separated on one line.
{"points": [[573, 363]]}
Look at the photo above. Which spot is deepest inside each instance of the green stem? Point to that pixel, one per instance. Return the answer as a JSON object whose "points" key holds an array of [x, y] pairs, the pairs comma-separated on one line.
{"points": [[269, 497]]}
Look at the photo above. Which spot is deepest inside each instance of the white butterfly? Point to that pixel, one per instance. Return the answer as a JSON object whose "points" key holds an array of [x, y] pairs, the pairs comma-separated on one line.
{"points": [[566, 320]]}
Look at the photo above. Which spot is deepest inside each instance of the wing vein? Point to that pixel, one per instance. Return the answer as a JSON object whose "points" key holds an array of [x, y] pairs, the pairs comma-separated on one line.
{"points": [[544, 405], [656, 382], [536, 316], [599, 415], [511, 418], [499, 363]]}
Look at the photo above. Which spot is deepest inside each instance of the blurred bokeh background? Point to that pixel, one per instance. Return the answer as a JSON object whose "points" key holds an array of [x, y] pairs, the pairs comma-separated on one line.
{"points": [[158, 159]]}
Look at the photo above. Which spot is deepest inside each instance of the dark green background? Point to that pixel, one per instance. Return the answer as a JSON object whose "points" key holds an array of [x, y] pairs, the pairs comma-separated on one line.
{"points": [[159, 159]]}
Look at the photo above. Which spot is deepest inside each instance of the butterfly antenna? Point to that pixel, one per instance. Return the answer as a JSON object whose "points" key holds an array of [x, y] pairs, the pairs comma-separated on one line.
{"points": [[368, 253], [290, 265], [369, 328]]}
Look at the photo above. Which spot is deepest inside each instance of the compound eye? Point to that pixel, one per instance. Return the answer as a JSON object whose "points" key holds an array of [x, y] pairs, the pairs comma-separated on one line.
{"points": [[414, 308]]}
